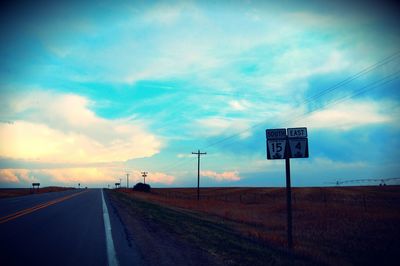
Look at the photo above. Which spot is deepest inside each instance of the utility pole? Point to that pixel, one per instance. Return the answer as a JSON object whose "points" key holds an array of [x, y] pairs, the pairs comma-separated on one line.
{"points": [[144, 174], [127, 180], [198, 171]]}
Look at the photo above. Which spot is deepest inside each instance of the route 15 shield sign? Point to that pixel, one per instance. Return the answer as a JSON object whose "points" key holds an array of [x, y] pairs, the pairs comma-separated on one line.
{"points": [[276, 149]]}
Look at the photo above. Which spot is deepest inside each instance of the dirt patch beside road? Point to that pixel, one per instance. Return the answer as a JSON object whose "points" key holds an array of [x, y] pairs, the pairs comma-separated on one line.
{"points": [[157, 245]]}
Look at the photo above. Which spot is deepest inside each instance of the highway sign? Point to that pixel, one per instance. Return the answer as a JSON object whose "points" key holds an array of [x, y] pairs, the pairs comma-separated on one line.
{"points": [[279, 133], [298, 148], [276, 149], [282, 146], [298, 132]]}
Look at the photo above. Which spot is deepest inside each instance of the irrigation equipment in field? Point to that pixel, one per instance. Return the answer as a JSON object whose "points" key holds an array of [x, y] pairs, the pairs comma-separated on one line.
{"points": [[380, 181]]}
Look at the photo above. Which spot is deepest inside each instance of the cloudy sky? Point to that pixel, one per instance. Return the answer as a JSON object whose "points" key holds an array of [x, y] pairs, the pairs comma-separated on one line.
{"points": [[90, 90]]}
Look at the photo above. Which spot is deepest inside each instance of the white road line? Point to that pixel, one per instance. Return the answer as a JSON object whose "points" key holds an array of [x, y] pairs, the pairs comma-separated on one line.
{"points": [[112, 258]]}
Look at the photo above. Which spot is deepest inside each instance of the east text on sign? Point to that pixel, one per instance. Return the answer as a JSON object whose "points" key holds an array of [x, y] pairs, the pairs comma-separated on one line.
{"points": [[298, 132]]}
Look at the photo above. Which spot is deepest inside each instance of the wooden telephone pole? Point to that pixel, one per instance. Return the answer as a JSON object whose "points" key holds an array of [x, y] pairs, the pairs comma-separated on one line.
{"points": [[127, 180], [198, 171], [144, 174]]}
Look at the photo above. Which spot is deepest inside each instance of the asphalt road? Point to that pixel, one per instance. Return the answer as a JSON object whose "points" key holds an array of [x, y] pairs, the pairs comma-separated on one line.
{"points": [[62, 228]]}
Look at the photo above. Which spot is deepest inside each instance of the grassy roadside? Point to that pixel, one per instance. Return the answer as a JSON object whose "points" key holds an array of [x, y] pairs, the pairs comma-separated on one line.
{"points": [[217, 239], [17, 192], [331, 225]]}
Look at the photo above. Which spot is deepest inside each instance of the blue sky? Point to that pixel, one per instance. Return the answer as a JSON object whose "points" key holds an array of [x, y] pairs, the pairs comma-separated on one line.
{"points": [[92, 90]]}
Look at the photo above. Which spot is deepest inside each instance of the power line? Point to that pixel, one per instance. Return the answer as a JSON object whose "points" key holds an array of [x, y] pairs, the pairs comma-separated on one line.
{"points": [[358, 92], [337, 101], [364, 71], [176, 164], [364, 89], [348, 80]]}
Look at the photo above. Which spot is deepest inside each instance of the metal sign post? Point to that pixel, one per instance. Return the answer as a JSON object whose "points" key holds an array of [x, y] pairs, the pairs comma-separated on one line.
{"points": [[280, 145], [289, 204], [37, 185]]}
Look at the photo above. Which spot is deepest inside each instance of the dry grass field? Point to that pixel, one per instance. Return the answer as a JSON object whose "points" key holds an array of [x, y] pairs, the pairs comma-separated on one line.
{"points": [[334, 226], [15, 192]]}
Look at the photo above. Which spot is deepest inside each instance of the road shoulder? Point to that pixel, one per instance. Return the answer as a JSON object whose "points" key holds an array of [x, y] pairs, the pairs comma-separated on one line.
{"points": [[156, 244], [125, 247]]}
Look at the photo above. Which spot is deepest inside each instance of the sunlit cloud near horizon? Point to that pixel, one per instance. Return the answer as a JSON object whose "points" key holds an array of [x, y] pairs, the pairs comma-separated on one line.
{"points": [[90, 92]]}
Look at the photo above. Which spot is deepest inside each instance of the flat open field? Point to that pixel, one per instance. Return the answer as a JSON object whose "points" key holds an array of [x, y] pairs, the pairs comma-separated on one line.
{"points": [[333, 226], [15, 192]]}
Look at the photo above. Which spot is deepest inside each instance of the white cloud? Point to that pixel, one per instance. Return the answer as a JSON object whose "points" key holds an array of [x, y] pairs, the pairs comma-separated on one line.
{"points": [[294, 66], [225, 176], [348, 115], [83, 175], [215, 126], [311, 19], [17, 176], [151, 178], [87, 175], [183, 155], [163, 14], [8, 176], [158, 177], [239, 105], [194, 41], [61, 128], [325, 163]]}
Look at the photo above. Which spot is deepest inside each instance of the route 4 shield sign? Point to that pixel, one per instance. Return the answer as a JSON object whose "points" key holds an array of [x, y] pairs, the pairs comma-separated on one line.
{"points": [[276, 149], [298, 147]]}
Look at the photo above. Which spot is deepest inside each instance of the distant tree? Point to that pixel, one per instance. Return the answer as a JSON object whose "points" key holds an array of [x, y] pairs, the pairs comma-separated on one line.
{"points": [[142, 187]]}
